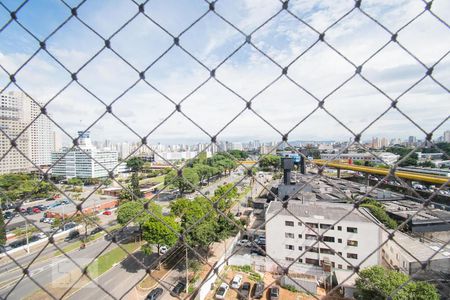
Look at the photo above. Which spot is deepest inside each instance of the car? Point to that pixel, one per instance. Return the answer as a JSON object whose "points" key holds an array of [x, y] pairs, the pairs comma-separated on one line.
{"points": [[41, 235], [107, 212], [42, 207], [163, 249], [155, 294], [222, 291], [36, 210], [178, 289], [238, 214], [244, 243], [274, 293], [258, 290], [69, 225], [29, 210], [72, 235], [244, 292], [96, 230], [236, 282], [8, 215], [42, 220]]}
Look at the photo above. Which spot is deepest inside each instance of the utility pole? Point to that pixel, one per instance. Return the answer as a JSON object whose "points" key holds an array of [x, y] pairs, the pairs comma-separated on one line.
{"points": [[26, 234], [187, 271]]}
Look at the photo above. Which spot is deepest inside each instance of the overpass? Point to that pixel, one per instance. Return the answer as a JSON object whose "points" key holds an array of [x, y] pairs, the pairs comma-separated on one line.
{"points": [[433, 179]]}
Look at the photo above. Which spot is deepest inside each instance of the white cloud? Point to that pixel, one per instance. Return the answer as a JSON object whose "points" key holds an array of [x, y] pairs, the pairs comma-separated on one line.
{"points": [[283, 105]]}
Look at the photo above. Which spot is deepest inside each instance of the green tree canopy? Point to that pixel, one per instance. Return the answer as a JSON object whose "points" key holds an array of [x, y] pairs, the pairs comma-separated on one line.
{"points": [[184, 183], [134, 211], [75, 181], [377, 283], [239, 154], [270, 162], [2, 229], [157, 232], [135, 164]]}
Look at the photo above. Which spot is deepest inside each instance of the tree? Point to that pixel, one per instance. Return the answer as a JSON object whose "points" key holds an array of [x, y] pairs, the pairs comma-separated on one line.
{"points": [[87, 220], [133, 211], [75, 181], [179, 207], [270, 162], [184, 183], [134, 187], [161, 233], [2, 229], [135, 164], [239, 154], [377, 283]]}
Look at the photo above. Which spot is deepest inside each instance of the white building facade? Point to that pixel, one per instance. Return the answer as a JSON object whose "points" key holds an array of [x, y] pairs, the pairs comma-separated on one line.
{"points": [[344, 245], [85, 161], [17, 111], [381, 157]]}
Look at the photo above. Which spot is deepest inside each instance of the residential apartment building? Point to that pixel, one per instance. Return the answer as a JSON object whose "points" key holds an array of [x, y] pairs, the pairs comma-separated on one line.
{"points": [[17, 111], [344, 245], [84, 162]]}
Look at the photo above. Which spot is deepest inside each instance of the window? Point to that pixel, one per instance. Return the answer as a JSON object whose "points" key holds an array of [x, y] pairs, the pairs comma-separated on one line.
{"points": [[300, 236], [340, 241], [349, 267], [326, 226], [352, 243], [300, 224], [340, 253], [300, 260], [313, 249], [289, 247], [289, 235], [352, 229], [339, 266], [310, 237], [326, 251], [312, 225], [328, 239], [352, 255], [339, 228], [300, 248], [289, 259], [312, 261], [289, 223]]}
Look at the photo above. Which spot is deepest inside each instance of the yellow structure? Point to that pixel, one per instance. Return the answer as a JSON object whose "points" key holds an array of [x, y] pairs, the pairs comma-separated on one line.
{"points": [[381, 171]]}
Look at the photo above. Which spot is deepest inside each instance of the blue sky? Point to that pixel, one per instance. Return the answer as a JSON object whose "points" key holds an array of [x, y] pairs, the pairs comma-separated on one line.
{"points": [[246, 73]]}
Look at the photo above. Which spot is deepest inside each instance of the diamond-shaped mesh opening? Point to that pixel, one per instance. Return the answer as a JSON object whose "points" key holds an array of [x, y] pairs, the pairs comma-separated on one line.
{"points": [[216, 149]]}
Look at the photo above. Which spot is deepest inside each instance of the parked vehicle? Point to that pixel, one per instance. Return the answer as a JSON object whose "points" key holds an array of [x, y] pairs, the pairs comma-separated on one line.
{"points": [[155, 294], [29, 210], [274, 293], [8, 215], [36, 210], [244, 292], [236, 282], [107, 213], [72, 235], [258, 290], [222, 291], [178, 289], [163, 249], [244, 243]]}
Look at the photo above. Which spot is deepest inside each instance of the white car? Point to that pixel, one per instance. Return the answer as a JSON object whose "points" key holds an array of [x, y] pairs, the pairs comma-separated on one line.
{"points": [[236, 282], [222, 291], [163, 249], [244, 243]]}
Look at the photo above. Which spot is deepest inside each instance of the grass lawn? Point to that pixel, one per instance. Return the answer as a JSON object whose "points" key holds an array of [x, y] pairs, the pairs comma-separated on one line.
{"points": [[107, 260], [157, 179]]}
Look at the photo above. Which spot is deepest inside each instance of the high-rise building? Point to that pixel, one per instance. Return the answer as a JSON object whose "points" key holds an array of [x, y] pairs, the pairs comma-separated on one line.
{"points": [[35, 141], [447, 136], [412, 140], [85, 161]]}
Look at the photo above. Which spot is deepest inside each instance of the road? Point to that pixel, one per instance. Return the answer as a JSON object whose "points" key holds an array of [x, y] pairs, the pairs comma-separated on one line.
{"points": [[46, 272]]}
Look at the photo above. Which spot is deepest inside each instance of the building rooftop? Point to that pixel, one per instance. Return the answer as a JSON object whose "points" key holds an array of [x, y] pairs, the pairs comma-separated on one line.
{"points": [[320, 210], [421, 250]]}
